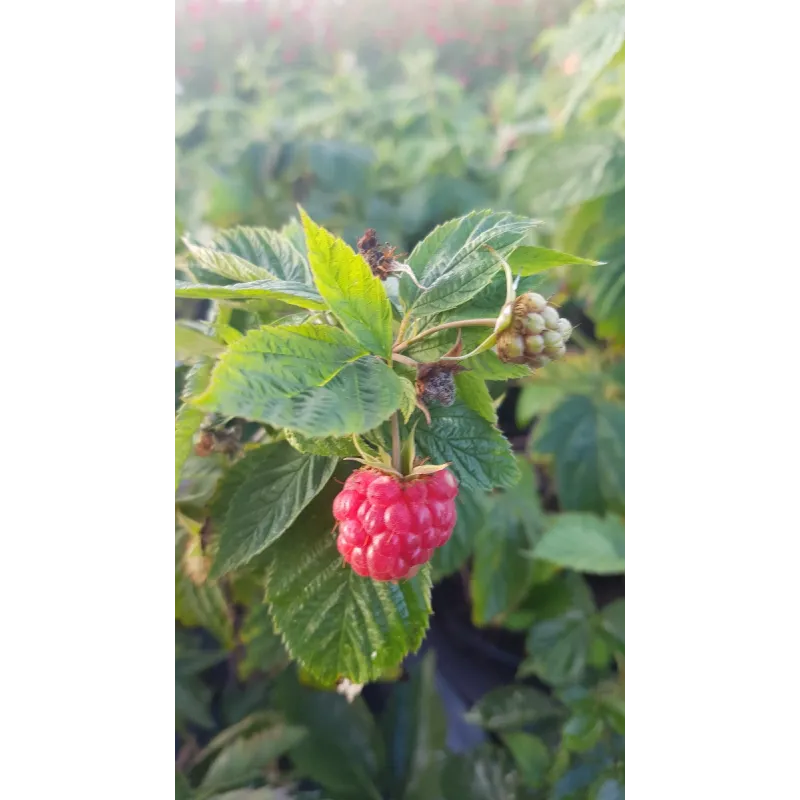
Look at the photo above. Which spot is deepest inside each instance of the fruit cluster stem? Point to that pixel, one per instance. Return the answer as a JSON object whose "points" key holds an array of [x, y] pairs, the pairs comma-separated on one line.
{"points": [[487, 322], [396, 447]]}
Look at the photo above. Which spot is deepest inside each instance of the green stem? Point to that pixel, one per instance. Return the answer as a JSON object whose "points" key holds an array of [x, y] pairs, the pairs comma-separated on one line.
{"points": [[486, 322], [221, 319], [510, 291], [403, 325], [396, 450], [404, 360], [486, 344]]}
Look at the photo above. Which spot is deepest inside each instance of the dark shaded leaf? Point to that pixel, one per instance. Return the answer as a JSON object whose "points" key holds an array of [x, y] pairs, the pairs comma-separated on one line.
{"points": [[342, 751], [586, 438], [279, 483], [414, 727], [509, 708]]}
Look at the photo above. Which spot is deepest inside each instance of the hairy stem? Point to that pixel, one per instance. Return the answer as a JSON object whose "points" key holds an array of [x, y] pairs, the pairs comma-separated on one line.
{"points": [[403, 325], [510, 288], [396, 449], [404, 360], [487, 322]]}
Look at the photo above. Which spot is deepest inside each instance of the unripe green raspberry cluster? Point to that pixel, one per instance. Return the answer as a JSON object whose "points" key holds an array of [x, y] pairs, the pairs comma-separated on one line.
{"points": [[536, 335]]}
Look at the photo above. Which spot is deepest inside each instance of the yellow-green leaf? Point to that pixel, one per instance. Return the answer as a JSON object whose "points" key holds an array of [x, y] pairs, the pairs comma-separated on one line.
{"points": [[355, 296]]}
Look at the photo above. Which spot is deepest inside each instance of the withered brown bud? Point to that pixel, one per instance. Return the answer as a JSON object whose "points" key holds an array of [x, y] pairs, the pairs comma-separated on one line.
{"points": [[368, 241], [379, 257], [438, 387], [205, 444], [436, 381]]}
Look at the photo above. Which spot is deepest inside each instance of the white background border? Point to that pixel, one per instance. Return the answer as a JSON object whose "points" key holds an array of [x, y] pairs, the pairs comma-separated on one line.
{"points": [[712, 404]]}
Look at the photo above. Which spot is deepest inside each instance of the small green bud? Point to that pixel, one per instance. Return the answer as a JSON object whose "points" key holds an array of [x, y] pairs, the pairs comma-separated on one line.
{"points": [[510, 346], [534, 301], [533, 323], [552, 338], [528, 303], [539, 361], [551, 318], [565, 328], [534, 345], [558, 351]]}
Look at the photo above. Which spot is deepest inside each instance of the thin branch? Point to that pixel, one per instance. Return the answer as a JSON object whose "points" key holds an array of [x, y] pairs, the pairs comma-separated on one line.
{"points": [[486, 322]]}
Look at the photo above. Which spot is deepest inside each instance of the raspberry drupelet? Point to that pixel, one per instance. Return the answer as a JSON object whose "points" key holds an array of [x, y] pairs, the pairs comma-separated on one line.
{"points": [[389, 527]]}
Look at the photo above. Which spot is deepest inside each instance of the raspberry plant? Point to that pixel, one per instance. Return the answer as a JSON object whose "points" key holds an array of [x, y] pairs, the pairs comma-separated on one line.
{"points": [[317, 364]]}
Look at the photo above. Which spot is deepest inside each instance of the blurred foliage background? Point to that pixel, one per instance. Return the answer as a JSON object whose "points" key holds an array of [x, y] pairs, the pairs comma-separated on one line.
{"points": [[399, 115]]}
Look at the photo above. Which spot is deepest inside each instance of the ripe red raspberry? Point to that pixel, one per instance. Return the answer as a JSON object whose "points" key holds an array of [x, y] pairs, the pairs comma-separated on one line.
{"points": [[388, 526]]}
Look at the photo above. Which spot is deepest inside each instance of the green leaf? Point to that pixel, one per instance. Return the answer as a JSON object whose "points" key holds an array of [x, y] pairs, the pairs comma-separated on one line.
{"points": [[189, 419], [415, 727], [191, 343], [606, 293], [582, 732], [490, 368], [291, 292], [408, 399], [310, 378], [555, 594], [509, 708], [587, 440], [196, 379], [485, 773], [558, 648], [187, 423], [595, 39], [453, 263], [471, 515], [191, 661], [279, 484], [576, 374], [481, 457], [343, 752], [244, 760], [472, 390], [334, 622], [613, 620], [247, 726], [261, 793], [341, 448], [501, 575], [227, 265], [192, 703], [531, 756], [489, 302], [609, 789], [585, 542], [199, 604], [354, 294], [293, 231], [575, 169], [268, 249], [528, 260], [183, 791], [264, 651]]}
